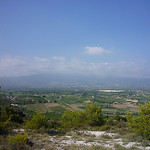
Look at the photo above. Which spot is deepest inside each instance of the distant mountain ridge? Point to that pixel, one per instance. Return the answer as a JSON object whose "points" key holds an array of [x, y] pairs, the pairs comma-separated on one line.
{"points": [[55, 80]]}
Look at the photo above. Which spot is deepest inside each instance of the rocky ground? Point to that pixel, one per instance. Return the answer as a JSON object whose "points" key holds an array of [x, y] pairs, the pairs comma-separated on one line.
{"points": [[88, 140]]}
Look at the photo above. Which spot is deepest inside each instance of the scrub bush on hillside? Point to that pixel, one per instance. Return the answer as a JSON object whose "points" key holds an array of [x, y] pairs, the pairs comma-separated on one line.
{"points": [[91, 117], [141, 123]]}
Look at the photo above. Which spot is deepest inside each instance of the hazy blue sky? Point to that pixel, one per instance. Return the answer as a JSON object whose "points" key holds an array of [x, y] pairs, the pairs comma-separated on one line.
{"points": [[95, 37]]}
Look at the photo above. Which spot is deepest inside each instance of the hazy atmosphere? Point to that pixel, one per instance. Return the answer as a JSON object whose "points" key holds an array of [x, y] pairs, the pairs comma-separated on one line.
{"points": [[74, 74], [108, 38]]}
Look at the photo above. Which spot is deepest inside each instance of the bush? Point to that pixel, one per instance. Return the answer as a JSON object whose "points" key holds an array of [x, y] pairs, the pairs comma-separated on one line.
{"points": [[10, 112], [10, 117], [53, 124], [93, 114], [91, 117], [19, 139], [4, 126], [38, 121], [72, 119], [103, 128], [140, 124]]}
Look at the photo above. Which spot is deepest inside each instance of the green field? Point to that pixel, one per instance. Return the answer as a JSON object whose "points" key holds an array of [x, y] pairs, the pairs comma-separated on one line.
{"points": [[54, 103]]}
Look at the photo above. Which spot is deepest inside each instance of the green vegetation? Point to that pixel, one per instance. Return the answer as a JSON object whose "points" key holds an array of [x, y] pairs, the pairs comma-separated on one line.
{"points": [[91, 117], [10, 117], [72, 119], [53, 115], [4, 126], [15, 115], [140, 124], [72, 110], [57, 109], [19, 139], [38, 121]]}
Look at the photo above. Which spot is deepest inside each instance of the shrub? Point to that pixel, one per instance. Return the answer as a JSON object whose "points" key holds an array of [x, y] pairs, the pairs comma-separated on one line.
{"points": [[103, 128], [72, 119], [91, 117], [53, 124], [10, 117], [19, 139], [93, 114], [4, 126], [10, 112], [38, 121], [140, 124]]}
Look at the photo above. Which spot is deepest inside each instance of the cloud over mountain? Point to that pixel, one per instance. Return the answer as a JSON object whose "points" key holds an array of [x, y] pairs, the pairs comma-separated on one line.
{"points": [[20, 66]]}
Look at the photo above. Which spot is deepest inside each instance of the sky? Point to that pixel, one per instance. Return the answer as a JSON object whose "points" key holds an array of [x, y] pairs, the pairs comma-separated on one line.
{"points": [[105, 38]]}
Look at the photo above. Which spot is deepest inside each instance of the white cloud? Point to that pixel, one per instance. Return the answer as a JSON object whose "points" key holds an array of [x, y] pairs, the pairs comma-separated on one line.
{"points": [[96, 50], [41, 59], [58, 58], [18, 66], [10, 66]]}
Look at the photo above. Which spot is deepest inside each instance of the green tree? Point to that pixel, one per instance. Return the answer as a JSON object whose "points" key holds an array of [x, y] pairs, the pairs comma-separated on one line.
{"points": [[38, 121], [91, 117], [93, 114], [68, 119], [10, 112], [141, 123], [9, 116], [71, 119], [4, 126]]}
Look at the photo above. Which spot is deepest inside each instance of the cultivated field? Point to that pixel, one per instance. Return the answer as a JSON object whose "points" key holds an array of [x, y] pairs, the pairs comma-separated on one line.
{"points": [[58, 101]]}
